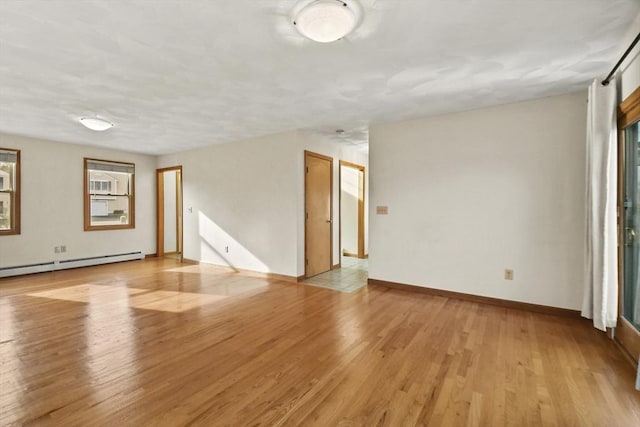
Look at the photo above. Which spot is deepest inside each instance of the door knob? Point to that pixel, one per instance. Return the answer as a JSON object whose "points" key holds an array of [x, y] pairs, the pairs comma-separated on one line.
{"points": [[329, 221]]}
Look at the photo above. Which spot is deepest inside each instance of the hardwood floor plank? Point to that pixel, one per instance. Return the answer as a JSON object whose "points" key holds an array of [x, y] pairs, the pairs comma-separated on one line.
{"points": [[157, 342]]}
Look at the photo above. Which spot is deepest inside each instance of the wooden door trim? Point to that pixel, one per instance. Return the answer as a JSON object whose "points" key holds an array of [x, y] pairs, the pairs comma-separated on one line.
{"points": [[625, 335], [160, 210], [320, 156], [628, 337], [179, 217], [159, 213], [629, 109], [361, 204], [308, 153]]}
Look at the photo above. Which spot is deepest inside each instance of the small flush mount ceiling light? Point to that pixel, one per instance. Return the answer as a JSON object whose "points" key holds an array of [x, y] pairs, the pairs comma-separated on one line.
{"points": [[96, 123], [326, 21]]}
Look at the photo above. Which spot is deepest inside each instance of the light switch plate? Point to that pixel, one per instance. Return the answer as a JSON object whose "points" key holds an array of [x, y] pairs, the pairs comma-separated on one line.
{"points": [[382, 210], [508, 274]]}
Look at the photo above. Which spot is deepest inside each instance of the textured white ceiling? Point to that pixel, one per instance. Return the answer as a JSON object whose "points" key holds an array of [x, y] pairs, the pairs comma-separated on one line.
{"points": [[175, 75]]}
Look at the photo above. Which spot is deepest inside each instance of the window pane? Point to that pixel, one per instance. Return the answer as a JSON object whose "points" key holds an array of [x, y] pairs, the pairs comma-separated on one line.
{"points": [[631, 247], [109, 210], [5, 211], [8, 186], [109, 182], [109, 199], [7, 176]]}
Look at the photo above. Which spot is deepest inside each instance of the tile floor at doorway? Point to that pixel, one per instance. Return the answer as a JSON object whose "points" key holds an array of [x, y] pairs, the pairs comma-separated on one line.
{"points": [[351, 276]]}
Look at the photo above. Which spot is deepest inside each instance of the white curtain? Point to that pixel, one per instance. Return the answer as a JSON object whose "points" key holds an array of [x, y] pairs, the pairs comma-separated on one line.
{"points": [[600, 301]]}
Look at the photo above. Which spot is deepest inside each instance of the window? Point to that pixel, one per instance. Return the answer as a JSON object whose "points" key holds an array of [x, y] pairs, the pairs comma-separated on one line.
{"points": [[9, 191], [100, 186], [109, 201]]}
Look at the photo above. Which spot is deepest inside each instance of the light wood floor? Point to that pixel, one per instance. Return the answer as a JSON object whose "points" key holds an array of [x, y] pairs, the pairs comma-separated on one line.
{"points": [[161, 343]]}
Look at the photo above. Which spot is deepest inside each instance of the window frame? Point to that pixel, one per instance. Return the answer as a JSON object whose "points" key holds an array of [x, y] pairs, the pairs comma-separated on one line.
{"points": [[626, 334], [15, 200], [87, 197]]}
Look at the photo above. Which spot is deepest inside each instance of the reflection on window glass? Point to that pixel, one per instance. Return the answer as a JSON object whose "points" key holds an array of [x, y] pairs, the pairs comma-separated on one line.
{"points": [[9, 191], [631, 260], [110, 198]]}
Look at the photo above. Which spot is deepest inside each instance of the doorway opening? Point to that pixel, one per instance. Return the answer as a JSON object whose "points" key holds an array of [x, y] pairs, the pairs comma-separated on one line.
{"points": [[352, 210], [351, 273], [169, 212], [354, 264]]}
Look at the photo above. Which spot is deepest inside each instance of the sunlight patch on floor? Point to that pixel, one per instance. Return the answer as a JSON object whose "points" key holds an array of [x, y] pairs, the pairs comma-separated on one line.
{"points": [[206, 269], [171, 301]]}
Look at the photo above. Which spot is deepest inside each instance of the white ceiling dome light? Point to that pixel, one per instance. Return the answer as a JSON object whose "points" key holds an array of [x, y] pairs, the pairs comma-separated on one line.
{"points": [[96, 123], [326, 21]]}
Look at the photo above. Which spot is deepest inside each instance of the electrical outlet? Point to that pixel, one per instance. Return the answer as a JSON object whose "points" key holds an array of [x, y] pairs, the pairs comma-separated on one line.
{"points": [[226, 249], [508, 274], [63, 248], [56, 249]]}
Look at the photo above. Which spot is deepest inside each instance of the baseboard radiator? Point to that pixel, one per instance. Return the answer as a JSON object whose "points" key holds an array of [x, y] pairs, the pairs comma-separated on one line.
{"points": [[68, 263]]}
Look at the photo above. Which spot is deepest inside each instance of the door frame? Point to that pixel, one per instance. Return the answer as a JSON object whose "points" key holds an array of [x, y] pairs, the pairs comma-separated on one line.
{"points": [[160, 210], [626, 335], [308, 154], [361, 203]]}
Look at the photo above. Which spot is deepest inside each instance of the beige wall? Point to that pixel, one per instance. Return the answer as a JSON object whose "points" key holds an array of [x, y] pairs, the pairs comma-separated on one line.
{"points": [[241, 196], [475, 193], [52, 204], [247, 200]]}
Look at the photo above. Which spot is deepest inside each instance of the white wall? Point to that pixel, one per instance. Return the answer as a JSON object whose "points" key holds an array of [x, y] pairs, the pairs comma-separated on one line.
{"points": [[629, 76], [349, 192], [170, 217], [474, 193], [52, 204], [338, 151], [242, 197], [248, 196]]}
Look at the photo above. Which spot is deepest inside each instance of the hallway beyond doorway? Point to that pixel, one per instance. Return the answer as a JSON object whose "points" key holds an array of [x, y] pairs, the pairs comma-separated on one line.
{"points": [[350, 277]]}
